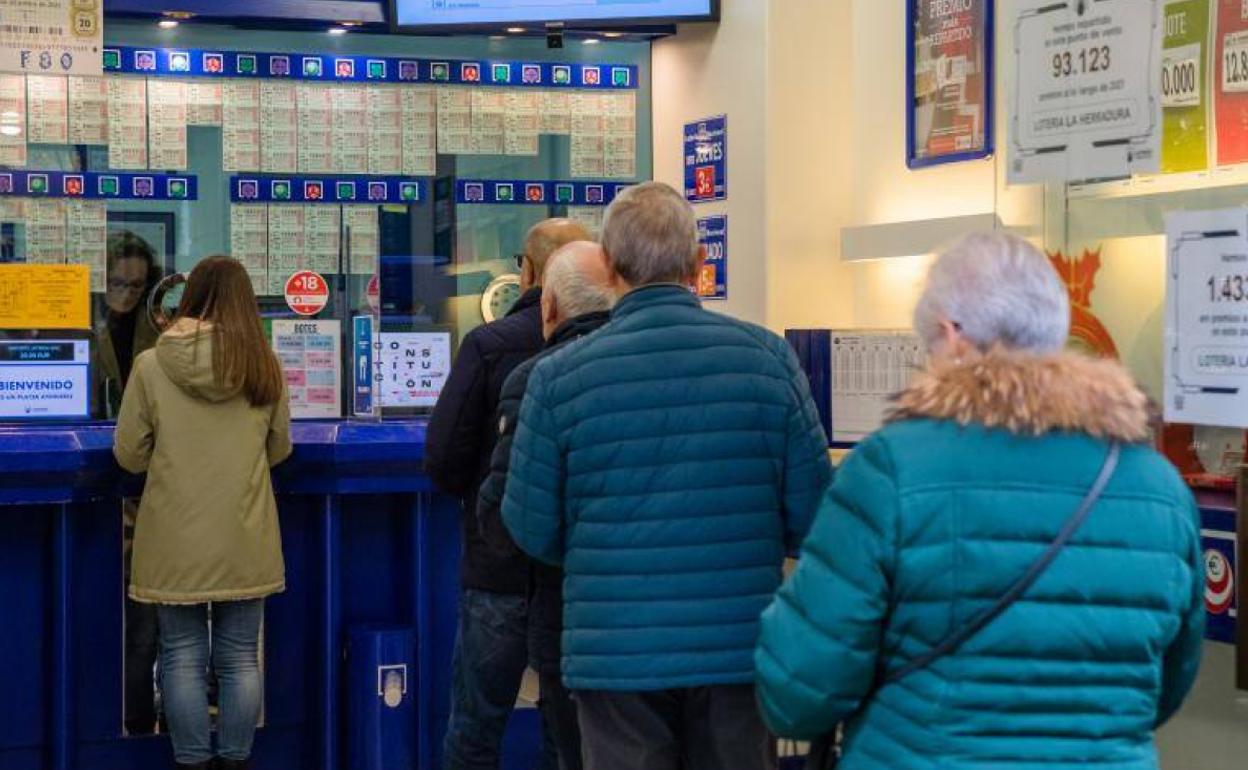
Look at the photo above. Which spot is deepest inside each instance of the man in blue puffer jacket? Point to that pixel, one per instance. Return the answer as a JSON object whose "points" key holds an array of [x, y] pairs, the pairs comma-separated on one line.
{"points": [[667, 462]]}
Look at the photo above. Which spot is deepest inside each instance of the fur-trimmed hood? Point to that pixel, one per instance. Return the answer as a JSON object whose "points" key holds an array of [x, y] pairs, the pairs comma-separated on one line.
{"points": [[1029, 394]]}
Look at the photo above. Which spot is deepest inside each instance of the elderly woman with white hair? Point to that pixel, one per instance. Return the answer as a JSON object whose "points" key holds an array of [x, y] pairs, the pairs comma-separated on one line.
{"points": [[1006, 575]]}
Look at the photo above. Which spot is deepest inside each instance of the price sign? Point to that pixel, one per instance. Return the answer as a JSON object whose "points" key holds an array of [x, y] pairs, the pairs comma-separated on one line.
{"points": [[1206, 362], [706, 160], [307, 293], [1235, 63], [1180, 77], [1088, 74], [713, 279]]}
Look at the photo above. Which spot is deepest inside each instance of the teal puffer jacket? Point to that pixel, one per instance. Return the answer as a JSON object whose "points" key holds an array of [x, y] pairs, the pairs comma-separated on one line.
{"points": [[666, 461], [931, 519]]}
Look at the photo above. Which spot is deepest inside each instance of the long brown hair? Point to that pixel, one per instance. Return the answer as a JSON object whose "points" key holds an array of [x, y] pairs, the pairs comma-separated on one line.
{"points": [[219, 292]]}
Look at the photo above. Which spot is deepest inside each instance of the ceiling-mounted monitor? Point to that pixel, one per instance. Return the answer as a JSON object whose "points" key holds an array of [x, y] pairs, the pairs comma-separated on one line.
{"points": [[447, 15]]}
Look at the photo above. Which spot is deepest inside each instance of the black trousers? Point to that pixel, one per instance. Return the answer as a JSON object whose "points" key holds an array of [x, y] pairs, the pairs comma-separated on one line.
{"points": [[700, 728]]}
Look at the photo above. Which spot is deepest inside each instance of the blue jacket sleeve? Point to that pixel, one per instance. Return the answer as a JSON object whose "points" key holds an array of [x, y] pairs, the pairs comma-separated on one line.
{"points": [[533, 500], [807, 469], [820, 638], [1182, 659]]}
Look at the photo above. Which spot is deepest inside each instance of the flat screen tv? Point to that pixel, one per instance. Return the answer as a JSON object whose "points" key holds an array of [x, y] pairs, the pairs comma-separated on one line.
{"points": [[448, 15]]}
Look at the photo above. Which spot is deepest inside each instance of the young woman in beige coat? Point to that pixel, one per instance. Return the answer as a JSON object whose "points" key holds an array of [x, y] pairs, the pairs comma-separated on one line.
{"points": [[206, 416]]}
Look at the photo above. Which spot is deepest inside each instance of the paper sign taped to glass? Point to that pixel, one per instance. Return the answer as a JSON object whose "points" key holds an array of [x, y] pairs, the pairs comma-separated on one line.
{"points": [[1206, 337], [1085, 105], [52, 37], [36, 296]]}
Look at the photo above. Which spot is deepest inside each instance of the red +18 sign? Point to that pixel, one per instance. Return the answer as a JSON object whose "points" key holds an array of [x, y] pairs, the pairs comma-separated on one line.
{"points": [[307, 293]]}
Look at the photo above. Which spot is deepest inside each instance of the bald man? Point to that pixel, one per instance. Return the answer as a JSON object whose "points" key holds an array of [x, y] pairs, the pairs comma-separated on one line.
{"points": [[490, 646], [576, 301]]}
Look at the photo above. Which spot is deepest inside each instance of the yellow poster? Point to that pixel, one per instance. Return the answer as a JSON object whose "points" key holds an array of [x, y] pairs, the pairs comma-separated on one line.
{"points": [[45, 296]]}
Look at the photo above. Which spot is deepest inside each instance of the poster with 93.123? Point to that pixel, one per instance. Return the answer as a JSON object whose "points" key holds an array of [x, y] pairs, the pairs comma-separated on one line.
{"points": [[949, 81]]}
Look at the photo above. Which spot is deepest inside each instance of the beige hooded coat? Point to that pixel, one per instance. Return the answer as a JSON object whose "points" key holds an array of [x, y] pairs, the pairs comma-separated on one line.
{"points": [[207, 526]]}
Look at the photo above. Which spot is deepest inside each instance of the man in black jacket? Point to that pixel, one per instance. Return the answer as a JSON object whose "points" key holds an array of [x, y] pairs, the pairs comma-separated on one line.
{"points": [[489, 657], [576, 302]]}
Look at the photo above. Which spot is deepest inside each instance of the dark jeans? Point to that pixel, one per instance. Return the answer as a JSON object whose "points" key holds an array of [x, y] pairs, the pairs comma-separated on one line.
{"points": [[560, 732], [491, 652], [700, 728]]}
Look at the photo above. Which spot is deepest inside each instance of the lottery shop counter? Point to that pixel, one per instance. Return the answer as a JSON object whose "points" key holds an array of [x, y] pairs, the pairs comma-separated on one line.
{"points": [[367, 541]]}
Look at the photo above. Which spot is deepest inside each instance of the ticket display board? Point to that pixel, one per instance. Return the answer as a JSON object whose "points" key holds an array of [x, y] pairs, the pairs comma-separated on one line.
{"points": [[307, 159]]}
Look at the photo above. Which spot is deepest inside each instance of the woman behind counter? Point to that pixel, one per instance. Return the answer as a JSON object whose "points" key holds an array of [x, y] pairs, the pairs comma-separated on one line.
{"points": [[206, 416], [126, 331], [989, 454]]}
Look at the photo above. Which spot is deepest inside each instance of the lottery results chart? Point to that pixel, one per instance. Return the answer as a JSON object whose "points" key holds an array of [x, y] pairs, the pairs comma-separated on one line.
{"points": [[310, 355]]}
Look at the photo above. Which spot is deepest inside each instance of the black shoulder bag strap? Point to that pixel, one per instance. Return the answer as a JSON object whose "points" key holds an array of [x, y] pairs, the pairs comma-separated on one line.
{"points": [[822, 757]]}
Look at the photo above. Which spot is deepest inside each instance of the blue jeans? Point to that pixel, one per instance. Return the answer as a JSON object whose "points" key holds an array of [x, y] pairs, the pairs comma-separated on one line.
{"points": [[491, 652], [184, 654]]}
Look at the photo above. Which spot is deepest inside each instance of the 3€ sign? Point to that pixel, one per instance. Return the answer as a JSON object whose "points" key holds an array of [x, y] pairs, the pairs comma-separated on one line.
{"points": [[706, 159]]}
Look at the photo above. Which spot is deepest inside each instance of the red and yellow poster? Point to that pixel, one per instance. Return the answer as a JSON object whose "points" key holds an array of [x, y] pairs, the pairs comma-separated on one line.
{"points": [[1230, 82], [949, 89]]}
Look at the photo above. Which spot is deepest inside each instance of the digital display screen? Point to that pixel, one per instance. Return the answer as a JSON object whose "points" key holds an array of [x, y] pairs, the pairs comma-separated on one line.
{"points": [[452, 13]]}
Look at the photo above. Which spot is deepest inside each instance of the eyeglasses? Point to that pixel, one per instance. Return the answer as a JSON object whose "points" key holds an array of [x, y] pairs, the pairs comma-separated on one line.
{"points": [[519, 260], [117, 285]]}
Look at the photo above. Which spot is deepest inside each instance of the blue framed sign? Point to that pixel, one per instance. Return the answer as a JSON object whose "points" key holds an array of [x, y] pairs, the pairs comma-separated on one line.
{"points": [[536, 192], [95, 185], [713, 280], [949, 81], [706, 160], [325, 68], [45, 379], [325, 189], [1221, 571]]}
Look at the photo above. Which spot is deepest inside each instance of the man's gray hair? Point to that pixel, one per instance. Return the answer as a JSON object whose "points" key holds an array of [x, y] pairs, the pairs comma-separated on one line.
{"points": [[575, 291], [651, 235], [999, 290]]}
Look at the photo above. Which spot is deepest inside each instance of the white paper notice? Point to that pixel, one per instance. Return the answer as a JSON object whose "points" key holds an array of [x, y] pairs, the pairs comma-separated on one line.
{"points": [[286, 244], [127, 123], [87, 237], [385, 139], [362, 226], [13, 120], [455, 121], [47, 99], [1206, 337], [588, 138], [203, 103], [166, 100], [310, 356], [279, 127], [412, 368], [316, 129], [249, 242], [620, 135], [45, 231], [522, 122], [420, 131], [351, 131], [1086, 105], [88, 110], [240, 133], [62, 36], [322, 235], [13, 210], [868, 369], [556, 107], [589, 217], [489, 108]]}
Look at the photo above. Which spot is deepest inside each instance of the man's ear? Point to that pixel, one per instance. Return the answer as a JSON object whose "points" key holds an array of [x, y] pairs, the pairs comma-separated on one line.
{"points": [[550, 307]]}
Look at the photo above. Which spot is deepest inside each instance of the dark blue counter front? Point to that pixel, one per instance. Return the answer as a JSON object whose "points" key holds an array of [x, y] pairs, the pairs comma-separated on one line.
{"points": [[366, 541]]}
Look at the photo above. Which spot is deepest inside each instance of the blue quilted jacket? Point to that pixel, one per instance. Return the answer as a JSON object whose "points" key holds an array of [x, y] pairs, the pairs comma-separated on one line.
{"points": [[931, 519], [666, 462]]}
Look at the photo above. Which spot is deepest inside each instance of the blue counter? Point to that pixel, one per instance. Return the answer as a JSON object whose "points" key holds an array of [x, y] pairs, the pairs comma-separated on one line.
{"points": [[366, 541]]}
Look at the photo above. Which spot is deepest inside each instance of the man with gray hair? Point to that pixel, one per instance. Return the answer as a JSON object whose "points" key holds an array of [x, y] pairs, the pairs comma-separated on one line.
{"points": [[576, 301], [666, 462]]}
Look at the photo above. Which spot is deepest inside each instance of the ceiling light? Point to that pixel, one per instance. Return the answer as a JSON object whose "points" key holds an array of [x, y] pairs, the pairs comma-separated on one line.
{"points": [[167, 23], [592, 41], [337, 30], [498, 37], [613, 34], [516, 30], [351, 23]]}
